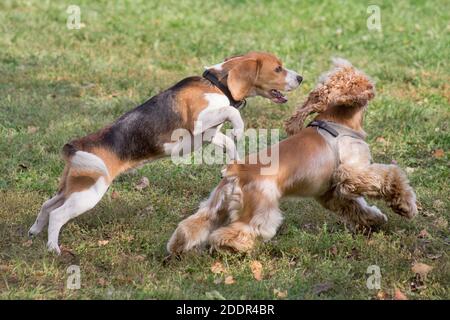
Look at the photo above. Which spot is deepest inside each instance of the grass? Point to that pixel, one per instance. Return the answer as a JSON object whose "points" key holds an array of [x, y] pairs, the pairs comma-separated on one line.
{"points": [[57, 84]]}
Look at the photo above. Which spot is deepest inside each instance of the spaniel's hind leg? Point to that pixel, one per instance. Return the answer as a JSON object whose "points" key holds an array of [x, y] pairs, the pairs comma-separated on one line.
{"points": [[354, 211], [379, 181], [237, 236], [193, 232], [259, 218], [43, 216]]}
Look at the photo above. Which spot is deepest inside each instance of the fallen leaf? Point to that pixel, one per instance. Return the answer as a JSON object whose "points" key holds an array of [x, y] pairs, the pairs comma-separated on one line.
{"points": [[280, 294], [102, 282], [115, 195], [143, 183], [438, 153], [322, 287], [441, 223], [256, 268], [398, 295], [27, 243], [4, 268], [333, 250], [214, 295], [421, 269], [32, 129], [229, 280], [423, 234], [139, 258], [381, 295], [218, 267], [103, 242], [410, 170], [437, 204], [381, 140]]}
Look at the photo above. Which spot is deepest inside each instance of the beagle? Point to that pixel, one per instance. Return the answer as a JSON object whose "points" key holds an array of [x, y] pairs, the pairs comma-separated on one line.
{"points": [[329, 161], [144, 134]]}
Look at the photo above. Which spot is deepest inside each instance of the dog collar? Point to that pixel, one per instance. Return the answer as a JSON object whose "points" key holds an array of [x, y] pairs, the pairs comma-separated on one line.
{"points": [[336, 129], [213, 79], [323, 125]]}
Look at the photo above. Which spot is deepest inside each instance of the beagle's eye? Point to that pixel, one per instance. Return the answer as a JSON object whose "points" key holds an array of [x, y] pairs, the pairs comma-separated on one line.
{"points": [[278, 69]]}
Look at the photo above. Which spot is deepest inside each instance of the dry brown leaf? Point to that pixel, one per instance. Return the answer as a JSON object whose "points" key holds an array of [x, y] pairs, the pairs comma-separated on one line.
{"points": [[32, 129], [103, 242], [279, 293], [139, 258], [102, 282], [381, 295], [115, 195], [438, 204], [423, 234], [4, 268], [143, 183], [381, 140], [229, 280], [438, 153], [441, 223], [333, 250], [256, 268], [421, 269], [410, 170], [218, 267], [27, 243], [398, 295]]}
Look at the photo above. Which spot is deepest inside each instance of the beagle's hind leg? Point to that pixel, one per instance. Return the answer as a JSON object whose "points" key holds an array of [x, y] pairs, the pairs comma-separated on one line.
{"points": [[76, 203], [43, 216]]}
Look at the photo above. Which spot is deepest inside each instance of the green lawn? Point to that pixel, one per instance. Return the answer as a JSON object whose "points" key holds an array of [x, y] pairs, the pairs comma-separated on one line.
{"points": [[57, 84]]}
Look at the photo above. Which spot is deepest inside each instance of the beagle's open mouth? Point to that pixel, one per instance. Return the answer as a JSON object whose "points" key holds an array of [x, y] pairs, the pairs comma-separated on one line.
{"points": [[277, 96]]}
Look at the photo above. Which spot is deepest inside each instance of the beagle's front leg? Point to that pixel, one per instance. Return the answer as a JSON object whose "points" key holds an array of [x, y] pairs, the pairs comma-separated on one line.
{"points": [[212, 117], [222, 140]]}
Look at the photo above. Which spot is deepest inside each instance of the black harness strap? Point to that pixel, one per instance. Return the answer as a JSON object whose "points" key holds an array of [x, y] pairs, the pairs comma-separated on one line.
{"points": [[323, 125], [213, 79]]}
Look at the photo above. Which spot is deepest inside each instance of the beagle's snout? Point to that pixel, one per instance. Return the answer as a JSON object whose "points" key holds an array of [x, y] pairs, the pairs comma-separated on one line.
{"points": [[293, 80]]}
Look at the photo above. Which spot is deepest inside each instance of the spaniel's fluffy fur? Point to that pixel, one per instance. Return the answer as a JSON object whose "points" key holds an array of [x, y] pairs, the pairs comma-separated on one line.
{"points": [[337, 172]]}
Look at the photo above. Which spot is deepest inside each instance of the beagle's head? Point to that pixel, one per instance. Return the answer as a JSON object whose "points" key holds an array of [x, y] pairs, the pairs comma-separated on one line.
{"points": [[256, 74]]}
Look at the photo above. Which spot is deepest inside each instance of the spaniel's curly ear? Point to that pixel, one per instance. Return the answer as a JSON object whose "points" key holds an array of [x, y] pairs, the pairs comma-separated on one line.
{"points": [[312, 105], [360, 99]]}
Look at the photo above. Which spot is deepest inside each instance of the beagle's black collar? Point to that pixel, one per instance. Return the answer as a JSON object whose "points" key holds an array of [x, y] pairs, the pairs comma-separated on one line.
{"points": [[213, 79]]}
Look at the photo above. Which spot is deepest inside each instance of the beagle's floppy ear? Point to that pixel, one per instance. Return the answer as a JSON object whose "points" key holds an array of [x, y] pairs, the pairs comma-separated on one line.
{"points": [[242, 77]]}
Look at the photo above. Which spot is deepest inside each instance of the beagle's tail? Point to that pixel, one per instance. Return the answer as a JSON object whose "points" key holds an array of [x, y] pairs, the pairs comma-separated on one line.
{"points": [[193, 232], [83, 163]]}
